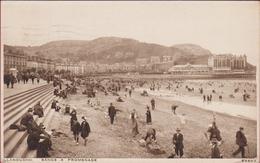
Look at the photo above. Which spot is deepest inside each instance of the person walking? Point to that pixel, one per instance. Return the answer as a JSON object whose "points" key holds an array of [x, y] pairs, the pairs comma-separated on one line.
{"points": [[85, 130], [73, 116], [178, 142], [153, 104], [38, 78], [76, 130], [241, 141], [148, 115], [174, 107], [111, 113], [32, 77], [130, 93], [7, 79], [13, 80]]}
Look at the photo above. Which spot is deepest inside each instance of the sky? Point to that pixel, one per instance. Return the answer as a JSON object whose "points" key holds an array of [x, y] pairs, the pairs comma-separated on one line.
{"points": [[221, 27]]}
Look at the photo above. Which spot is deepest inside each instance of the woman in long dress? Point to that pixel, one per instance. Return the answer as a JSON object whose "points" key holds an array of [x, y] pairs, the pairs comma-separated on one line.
{"points": [[133, 117], [148, 116]]}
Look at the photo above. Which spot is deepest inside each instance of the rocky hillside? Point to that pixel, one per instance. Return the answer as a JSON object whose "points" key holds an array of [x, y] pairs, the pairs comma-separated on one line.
{"points": [[114, 49]]}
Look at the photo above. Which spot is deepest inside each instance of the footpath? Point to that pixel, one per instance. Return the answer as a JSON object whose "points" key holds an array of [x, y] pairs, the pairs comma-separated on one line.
{"points": [[21, 87]]}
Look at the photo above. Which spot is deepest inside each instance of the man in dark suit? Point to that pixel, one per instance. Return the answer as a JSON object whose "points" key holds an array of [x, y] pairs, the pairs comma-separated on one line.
{"points": [[27, 118], [7, 79], [178, 142], [241, 141], [111, 113]]}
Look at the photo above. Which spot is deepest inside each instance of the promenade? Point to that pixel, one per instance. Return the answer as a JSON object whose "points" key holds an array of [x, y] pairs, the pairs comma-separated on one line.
{"points": [[21, 87]]}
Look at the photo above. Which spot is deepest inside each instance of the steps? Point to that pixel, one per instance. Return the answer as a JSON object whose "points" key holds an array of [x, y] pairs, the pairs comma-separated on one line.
{"points": [[15, 143]]}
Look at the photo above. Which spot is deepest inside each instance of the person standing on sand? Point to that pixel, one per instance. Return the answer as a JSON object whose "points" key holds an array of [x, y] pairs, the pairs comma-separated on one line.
{"points": [[241, 141], [148, 115], [174, 107], [178, 143], [130, 92], [85, 130], [153, 104], [111, 113], [133, 117]]}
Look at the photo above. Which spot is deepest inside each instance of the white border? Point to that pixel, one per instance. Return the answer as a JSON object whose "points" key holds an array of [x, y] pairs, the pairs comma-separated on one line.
{"points": [[204, 160]]}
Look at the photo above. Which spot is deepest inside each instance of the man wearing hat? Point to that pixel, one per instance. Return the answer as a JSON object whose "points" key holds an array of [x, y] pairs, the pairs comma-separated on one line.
{"points": [[38, 110], [27, 118], [178, 143], [111, 113], [85, 130], [241, 141]]}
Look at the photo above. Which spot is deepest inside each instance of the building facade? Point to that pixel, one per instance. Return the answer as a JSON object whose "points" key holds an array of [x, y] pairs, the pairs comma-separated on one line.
{"points": [[155, 59], [190, 69], [13, 59], [166, 58], [228, 62], [141, 61]]}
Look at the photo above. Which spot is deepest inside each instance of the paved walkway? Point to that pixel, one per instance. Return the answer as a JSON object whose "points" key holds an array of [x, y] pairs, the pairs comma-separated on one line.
{"points": [[244, 111], [21, 87]]}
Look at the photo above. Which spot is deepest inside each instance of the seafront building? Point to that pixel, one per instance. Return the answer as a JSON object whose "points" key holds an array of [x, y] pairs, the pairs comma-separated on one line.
{"points": [[14, 59], [221, 63], [228, 62], [189, 69]]}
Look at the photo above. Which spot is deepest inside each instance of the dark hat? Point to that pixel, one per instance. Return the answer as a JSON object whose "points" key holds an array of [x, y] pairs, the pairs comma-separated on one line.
{"points": [[30, 110], [241, 128]]}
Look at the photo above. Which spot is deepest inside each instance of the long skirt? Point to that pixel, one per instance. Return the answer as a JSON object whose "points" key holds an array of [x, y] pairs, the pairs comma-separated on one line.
{"points": [[135, 128]]}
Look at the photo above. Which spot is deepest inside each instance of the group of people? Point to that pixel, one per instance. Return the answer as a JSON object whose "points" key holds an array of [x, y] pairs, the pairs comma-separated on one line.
{"points": [[77, 129], [10, 78], [82, 128], [38, 139], [214, 133]]}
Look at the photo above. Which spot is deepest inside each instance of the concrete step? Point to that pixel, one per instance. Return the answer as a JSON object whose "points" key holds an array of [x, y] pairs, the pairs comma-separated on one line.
{"points": [[22, 94], [15, 116], [8, 134], [23, 151], [13, 147], [32, 153], [9, 108]]}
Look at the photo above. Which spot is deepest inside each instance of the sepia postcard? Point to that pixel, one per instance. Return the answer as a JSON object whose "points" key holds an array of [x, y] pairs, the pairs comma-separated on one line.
{"points": [[130, 81]]}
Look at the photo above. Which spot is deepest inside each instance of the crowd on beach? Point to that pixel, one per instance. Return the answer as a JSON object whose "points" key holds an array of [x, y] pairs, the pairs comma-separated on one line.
{"points": [[232, 91], [40, 140]]}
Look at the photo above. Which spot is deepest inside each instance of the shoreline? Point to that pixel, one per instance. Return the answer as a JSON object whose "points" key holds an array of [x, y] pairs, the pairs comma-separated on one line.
{"points": [[230, 109]]}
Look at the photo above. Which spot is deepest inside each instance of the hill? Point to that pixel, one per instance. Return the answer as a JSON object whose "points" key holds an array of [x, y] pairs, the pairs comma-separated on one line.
{"points": [[114, 49]]}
